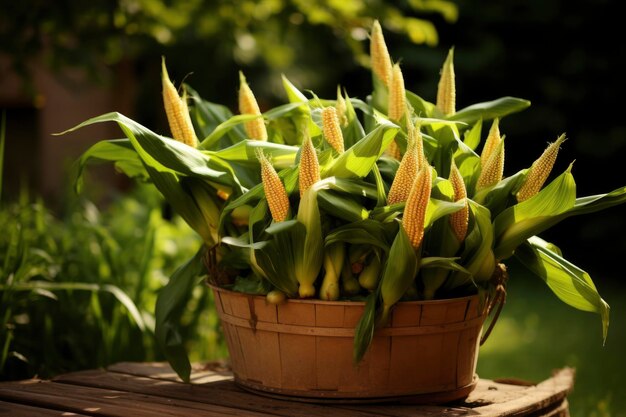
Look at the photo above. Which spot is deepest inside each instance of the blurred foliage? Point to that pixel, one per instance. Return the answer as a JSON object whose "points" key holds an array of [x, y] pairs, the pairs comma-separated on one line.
{"points": [[78, 292], [536, 333], [98, 34]]}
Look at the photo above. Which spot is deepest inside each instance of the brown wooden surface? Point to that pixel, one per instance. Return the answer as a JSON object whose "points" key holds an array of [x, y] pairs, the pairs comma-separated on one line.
{"points": [[153, 389]]}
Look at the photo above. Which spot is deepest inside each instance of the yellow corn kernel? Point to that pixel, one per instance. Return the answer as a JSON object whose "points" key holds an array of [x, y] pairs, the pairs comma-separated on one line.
{"points": [[393, 150], [309, 172], [493, 139], [342, 108], [381, 61], [539, 171], [332, 130], [492, 172], [416, 205], [255, 129], [275, 192], [397, 95], [415, 135], [459, 220], [407, 171], [177, 111], [446, 90]]}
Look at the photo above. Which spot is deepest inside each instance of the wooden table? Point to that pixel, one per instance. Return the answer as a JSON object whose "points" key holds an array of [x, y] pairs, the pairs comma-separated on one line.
{"points": [[152, 389]]}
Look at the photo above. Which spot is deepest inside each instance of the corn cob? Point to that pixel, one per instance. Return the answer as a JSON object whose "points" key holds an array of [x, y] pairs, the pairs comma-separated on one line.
{"points": [[492, 172], [309, 166], [539, 171], [397, 95], [370, 275], [275, 193], [493, 139], [341, 108], [255, 129], [416, 205], [334, 257], [332, 129], [381, 61], [275, 297], [459, 219], [446, 90], [407, 171], [349, 284], [177, 112]]}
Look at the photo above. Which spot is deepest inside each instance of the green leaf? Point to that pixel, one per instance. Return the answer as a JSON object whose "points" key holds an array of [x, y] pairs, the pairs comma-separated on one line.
{"points": [[207, 116], [281, 156], [357, 161], [341, 206], [170, 305], [530, 217], [570, 283], [490, 110], [367, 232], [118, 151], [364, 332], [472, 136], [422, 107], [399, 273], [164, 153], [213, 138]]}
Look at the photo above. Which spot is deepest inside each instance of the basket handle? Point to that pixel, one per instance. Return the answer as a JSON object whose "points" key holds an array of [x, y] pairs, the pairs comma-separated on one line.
{"points": [[500, 277]]}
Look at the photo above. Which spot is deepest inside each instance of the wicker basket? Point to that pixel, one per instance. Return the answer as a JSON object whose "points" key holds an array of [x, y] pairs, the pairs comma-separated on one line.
{"points": [[303, 348]]}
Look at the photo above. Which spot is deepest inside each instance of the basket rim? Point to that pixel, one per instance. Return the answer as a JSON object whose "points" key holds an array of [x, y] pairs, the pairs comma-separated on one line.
{"points": [[348, 303]]}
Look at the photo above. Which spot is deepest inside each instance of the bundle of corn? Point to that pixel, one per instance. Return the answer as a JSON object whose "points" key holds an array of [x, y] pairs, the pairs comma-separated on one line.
{"points": [[304, 202]]}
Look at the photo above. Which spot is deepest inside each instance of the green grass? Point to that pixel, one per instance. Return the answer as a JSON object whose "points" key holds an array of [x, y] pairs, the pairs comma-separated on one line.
{"points": [[537, 333]]}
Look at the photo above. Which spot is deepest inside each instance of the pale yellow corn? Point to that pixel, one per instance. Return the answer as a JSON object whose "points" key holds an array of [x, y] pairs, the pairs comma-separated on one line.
{"points": [[255, 129], [446, 91], [492, 172], [416, 205], [492, 142], [309, 172], [381, 61], [342, 108], [177, 111], [407, 171], [539, 171], [332, 129], [415, 134], [275, 192], [393, 150], [459, 220], [397, 95]]}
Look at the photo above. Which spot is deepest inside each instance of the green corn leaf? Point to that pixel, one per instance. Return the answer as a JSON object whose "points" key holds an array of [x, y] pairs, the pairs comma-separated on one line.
{"points": [[309, 245], [223, 128], [364, 332], [341, 206], [490, 110], [438, 208], [170, 305], [244, 152], [528, 218], [357, 161], [365, 232], [354, 131], [156, 150], [284, 110], [422, 107], [449, 264], [570, 283], [502, 195], [207, 116], [182, 202], [472, 136], [399, 272], [118, 151]]}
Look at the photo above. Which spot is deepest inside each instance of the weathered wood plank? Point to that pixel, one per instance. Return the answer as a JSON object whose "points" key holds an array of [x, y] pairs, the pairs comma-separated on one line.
{"points": [[20, 410], [200, 373], [222, 393], [108, 402], [542, 396]]}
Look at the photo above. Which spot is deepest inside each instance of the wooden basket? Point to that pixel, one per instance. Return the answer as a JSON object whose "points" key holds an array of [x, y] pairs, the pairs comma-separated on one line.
{"points": [[303, 348]]}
